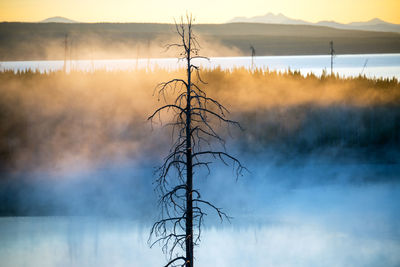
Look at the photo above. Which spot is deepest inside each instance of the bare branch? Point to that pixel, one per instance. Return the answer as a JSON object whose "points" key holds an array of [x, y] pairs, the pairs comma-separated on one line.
{"points": [[165, 107], [218, 116], [174, 260]]}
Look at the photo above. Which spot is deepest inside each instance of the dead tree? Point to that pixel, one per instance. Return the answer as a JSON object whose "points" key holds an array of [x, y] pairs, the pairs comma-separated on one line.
{"points": [[65, 53], [332, 52], [194, 131], [253, 54]]}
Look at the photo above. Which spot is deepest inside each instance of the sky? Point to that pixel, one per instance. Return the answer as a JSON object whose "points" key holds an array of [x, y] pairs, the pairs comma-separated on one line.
{"points": [[205, 11]]}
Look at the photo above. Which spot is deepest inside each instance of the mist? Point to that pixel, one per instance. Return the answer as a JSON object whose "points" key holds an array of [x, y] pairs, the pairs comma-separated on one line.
{"points": [[322, 154], [96, 41], [274, 225]]}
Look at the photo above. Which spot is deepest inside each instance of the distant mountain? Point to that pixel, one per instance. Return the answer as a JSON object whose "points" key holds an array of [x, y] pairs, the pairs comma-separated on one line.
{"points": [[270, 18], [371, 22], [58, 20], [371, 25]]}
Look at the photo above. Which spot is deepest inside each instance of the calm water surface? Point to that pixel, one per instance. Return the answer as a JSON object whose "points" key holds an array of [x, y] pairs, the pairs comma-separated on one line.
{"points": [[371, 65], [343, 225]]}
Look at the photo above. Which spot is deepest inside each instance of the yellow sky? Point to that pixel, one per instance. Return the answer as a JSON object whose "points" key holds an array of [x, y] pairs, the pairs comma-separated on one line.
{"points": [[212, 11]]}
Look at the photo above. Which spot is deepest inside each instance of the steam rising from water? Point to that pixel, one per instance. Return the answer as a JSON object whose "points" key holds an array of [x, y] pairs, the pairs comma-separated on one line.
{"points": [[340, 225], [323, 187]]}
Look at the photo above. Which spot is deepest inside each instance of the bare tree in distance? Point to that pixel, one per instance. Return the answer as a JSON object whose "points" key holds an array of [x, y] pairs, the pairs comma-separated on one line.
{"points": [[65, 52], [332, 52], [194, 131], [253, 54]]}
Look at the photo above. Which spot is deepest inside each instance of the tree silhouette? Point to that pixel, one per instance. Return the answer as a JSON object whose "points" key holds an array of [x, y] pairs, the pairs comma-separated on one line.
{"points": [[332, 53], [253, 54], [194, 130]]}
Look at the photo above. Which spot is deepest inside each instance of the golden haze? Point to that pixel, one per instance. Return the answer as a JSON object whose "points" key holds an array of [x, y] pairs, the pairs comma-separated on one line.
{"points": [[56, 121]]}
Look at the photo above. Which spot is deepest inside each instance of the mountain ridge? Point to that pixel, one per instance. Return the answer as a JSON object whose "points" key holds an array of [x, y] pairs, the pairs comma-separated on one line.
{"points": [[58, 19], [374, 24]]}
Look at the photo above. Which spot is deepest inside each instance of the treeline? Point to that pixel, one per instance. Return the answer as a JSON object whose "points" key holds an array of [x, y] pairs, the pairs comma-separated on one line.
{"points": [[80, 143], [50, 120]]}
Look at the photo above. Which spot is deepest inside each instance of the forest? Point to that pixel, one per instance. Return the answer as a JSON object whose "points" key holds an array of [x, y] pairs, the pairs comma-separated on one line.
{"points": [[56, 123]]}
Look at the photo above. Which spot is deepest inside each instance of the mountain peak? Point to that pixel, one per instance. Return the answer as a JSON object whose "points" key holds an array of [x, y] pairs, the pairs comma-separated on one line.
{"points": [[376, 21], [269, 18], [274, 16], [372, 22], [58, 19]]}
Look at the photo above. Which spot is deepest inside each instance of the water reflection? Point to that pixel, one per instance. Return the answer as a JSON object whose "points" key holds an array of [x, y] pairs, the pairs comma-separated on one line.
{"points": [[314, 226]]}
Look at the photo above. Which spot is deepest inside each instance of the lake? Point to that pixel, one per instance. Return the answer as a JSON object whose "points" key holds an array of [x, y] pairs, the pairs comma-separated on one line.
{"points": [[370, 65], [337, 236], [319, 225]]}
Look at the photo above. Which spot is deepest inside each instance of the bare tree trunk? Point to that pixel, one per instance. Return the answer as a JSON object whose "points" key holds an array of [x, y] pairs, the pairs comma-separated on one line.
{"points": [[189, 167], [332, 52], [65, 53]]}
